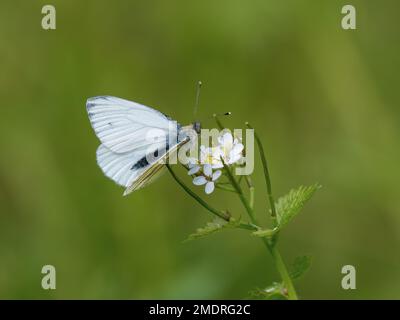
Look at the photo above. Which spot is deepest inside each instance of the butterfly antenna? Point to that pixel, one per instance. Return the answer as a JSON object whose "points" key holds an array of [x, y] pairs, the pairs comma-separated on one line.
{"points": [[216, 115], [196, 106]]}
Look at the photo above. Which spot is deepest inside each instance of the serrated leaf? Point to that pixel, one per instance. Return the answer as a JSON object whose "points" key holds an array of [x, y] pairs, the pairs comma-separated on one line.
{"points": [[300, 266], [288, 206], [216, 225]]}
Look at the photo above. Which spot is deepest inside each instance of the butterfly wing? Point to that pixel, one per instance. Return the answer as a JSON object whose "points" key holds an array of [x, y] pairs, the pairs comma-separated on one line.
{"points": [[123, 168], [126, 154], [152, 171], [123, 125]]}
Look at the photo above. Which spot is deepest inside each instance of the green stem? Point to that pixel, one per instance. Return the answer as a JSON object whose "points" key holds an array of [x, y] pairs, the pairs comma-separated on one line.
{"points": [[225, 188], [222, 215], [281, 267], [239, 190], [266, 175], [219, 123], [248, 226], [251, 189], [271, 246]]}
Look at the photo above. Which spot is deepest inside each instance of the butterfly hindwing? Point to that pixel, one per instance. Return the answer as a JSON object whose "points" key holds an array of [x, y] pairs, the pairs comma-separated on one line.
{"points": [[120, 167], [153, 170]]}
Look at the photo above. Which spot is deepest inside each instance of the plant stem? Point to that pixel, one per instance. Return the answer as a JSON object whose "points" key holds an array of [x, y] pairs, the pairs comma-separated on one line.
{"points": [[225, 188], [221, 214], [271, 246], [251, 189], [239, 190], [219, 123], [266, 175], [281, 267], [248, 226]]}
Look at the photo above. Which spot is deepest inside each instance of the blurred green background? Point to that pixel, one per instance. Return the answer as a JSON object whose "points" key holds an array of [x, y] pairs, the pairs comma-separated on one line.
{"points": [[324, 100]]}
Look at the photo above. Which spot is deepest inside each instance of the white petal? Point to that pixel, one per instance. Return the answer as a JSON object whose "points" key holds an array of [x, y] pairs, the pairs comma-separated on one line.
{"points": [[216, 175], [192, 162], [221, 138], [228, 140], [204, 154], [217, 152], [234, 158], [218, 165], [207, 169], [238, 148], [194, 170], [198, 181], [209, 187]]}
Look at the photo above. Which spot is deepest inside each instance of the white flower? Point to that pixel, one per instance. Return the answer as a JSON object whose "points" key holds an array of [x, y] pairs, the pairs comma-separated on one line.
{"points": [[193, 168], [211, 156], [231, 149], [207, 178], [228, 148]]}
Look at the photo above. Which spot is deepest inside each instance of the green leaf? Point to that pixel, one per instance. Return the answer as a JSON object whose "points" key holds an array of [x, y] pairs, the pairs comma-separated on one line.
{"points": [[216, 225], [288, 206], [276, 291], [300, 266]]}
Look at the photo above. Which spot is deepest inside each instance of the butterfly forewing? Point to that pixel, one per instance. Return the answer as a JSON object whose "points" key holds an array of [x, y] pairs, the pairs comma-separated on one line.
{"points": [[121, 167], [123, 125]]}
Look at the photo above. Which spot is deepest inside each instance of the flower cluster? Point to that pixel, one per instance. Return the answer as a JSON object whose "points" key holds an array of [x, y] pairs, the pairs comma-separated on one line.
{"points": [[206, 169]]}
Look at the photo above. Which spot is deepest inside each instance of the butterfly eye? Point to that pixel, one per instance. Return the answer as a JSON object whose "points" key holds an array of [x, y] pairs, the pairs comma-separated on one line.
{"points": [[197, 127]]}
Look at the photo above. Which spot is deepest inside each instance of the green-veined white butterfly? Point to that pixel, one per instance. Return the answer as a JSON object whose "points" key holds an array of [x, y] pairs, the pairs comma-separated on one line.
{"points": [[126, 154]]}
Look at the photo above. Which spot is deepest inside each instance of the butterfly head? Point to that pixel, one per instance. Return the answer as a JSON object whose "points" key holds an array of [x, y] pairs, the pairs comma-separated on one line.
{"points": [[197, 127]]}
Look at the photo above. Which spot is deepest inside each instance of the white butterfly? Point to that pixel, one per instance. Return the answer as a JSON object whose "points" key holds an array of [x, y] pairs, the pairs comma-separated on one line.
{"points": [[135, 139]]}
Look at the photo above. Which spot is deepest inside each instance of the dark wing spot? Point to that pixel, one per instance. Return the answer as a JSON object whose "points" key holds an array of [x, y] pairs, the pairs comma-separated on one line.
{"points": [[143, 161]]}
